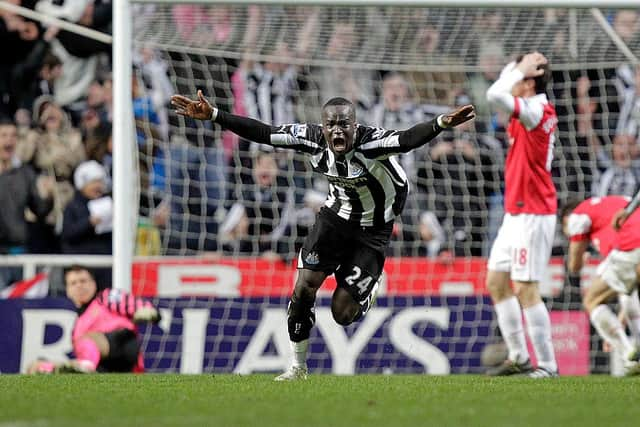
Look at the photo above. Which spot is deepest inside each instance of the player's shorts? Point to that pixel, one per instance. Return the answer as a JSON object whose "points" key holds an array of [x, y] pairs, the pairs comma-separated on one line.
{"points": [[355, 254], [523, 246], [123, 352], [618, 270]]}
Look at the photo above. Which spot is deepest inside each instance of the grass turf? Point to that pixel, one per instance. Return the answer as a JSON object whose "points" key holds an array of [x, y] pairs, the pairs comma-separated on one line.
{"points": [[323, 400]]}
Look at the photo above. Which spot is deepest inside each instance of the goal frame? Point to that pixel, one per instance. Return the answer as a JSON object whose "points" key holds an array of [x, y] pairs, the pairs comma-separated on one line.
{"points": [[123, 128]]}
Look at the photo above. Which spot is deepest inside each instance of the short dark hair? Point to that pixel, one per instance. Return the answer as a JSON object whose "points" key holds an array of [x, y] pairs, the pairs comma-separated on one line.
{"points": [[337, 101], [542, 80], [51, 60], [568, 207], [6, 121], [76, 268]]}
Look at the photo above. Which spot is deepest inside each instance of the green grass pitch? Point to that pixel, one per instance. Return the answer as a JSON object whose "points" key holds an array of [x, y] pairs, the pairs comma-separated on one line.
{"points": [[323, 400]]}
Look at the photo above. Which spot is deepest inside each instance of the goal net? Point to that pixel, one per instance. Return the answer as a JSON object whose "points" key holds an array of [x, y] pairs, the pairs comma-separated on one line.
{"points": [[244, 209]]}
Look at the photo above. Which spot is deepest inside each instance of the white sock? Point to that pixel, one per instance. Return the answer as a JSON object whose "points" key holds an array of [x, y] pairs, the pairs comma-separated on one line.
{"points": [[610, 329], [300, 353], [510, 322], [630, 304], [539, 329]]}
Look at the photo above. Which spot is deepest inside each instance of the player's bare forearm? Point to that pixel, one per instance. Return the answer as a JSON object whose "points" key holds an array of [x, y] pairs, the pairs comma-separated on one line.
{"points": [[576, 256], [422, 133]]}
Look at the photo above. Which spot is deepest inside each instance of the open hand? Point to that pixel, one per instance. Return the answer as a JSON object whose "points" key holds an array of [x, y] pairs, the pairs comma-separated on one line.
{"points": [[459, 116], [200, 109]]}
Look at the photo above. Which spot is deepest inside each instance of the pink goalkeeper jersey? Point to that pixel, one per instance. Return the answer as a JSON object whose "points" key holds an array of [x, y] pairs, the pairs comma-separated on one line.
{"points": [[109, 311], [528, 185]]}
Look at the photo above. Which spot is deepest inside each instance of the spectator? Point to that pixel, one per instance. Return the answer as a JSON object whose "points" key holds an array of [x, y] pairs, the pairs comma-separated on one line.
{"points": [[19, 38], [490, 59], [432, 235], [36, 76], [629, 87], [153, 72], [21, 188], [94, 14], [354, 84], [54, 148], [460, 177], [87, 226], [196, 193], [397, 110], [262, 219], [621, 177], [268, 92]]}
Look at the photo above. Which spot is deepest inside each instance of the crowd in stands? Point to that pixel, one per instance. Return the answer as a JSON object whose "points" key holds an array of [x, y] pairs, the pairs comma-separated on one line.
{"points": [[202, 190]]}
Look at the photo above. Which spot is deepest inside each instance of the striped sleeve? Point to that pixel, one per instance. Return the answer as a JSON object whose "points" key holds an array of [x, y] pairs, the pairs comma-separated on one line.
{"points": [[377, 143], [304, 138], [121, 302]]}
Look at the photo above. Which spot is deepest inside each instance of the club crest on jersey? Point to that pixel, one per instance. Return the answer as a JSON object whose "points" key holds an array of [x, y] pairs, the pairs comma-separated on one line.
{"points": [[312, 258], [356, 169]]}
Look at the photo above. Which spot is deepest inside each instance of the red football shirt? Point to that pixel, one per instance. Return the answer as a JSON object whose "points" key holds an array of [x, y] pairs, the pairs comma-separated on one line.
{"points": [[528, 184], [628, 238], [591, 220]]}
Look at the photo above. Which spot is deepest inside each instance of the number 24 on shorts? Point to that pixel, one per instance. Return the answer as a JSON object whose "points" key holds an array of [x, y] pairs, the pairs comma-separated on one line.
{"points": [[362, 285]]}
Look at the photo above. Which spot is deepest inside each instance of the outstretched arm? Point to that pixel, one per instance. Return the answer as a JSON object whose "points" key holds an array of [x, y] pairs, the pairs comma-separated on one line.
{"points": [[422, 133], [293, 136], [253, 130], [389, 142]]}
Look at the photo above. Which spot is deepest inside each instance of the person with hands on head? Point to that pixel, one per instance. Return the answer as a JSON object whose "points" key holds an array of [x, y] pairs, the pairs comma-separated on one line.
{"points": [[367, 190], [522, 248]]}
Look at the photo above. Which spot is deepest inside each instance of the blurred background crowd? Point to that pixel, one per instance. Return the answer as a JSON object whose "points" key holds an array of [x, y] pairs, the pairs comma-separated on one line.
{"points": [[202, 190]]}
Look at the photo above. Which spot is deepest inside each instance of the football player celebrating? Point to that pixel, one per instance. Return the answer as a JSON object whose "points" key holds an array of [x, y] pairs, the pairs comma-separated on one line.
{"points": [[367, 190]]}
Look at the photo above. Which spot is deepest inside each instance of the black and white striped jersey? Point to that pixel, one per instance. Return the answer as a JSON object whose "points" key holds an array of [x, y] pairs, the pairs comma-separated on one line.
{"points": [[367, 186]]}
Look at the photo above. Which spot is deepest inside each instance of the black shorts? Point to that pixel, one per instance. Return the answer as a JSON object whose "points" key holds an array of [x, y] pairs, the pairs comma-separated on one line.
{"points": [[123, 352], [355, 254]]}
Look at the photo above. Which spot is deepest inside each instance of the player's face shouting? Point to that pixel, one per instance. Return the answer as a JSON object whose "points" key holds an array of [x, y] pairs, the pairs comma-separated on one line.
{"points": [[338, 126]]}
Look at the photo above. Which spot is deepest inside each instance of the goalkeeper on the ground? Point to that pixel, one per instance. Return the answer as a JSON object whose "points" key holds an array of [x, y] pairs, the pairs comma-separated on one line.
{"points": [[105, 336]]}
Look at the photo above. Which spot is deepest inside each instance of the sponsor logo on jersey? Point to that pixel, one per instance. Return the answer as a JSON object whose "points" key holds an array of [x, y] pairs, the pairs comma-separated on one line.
{"points": [[347, 182], [312, 258]]}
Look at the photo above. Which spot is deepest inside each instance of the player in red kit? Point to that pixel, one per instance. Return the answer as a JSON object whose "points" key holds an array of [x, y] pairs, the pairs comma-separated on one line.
{"points": [[522, 247], [590, 222]]}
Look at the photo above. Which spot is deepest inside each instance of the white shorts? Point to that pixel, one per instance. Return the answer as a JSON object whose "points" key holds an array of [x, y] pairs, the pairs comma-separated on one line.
{"points": [[523, 246], [618, 270]]}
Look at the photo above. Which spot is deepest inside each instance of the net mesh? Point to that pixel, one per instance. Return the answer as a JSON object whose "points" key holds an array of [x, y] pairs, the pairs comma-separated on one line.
{"points": [[204, 191]]}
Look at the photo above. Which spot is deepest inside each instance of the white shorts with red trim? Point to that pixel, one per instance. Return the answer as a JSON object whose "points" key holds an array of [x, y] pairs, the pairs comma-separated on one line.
{"points": [[523, 246]]}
